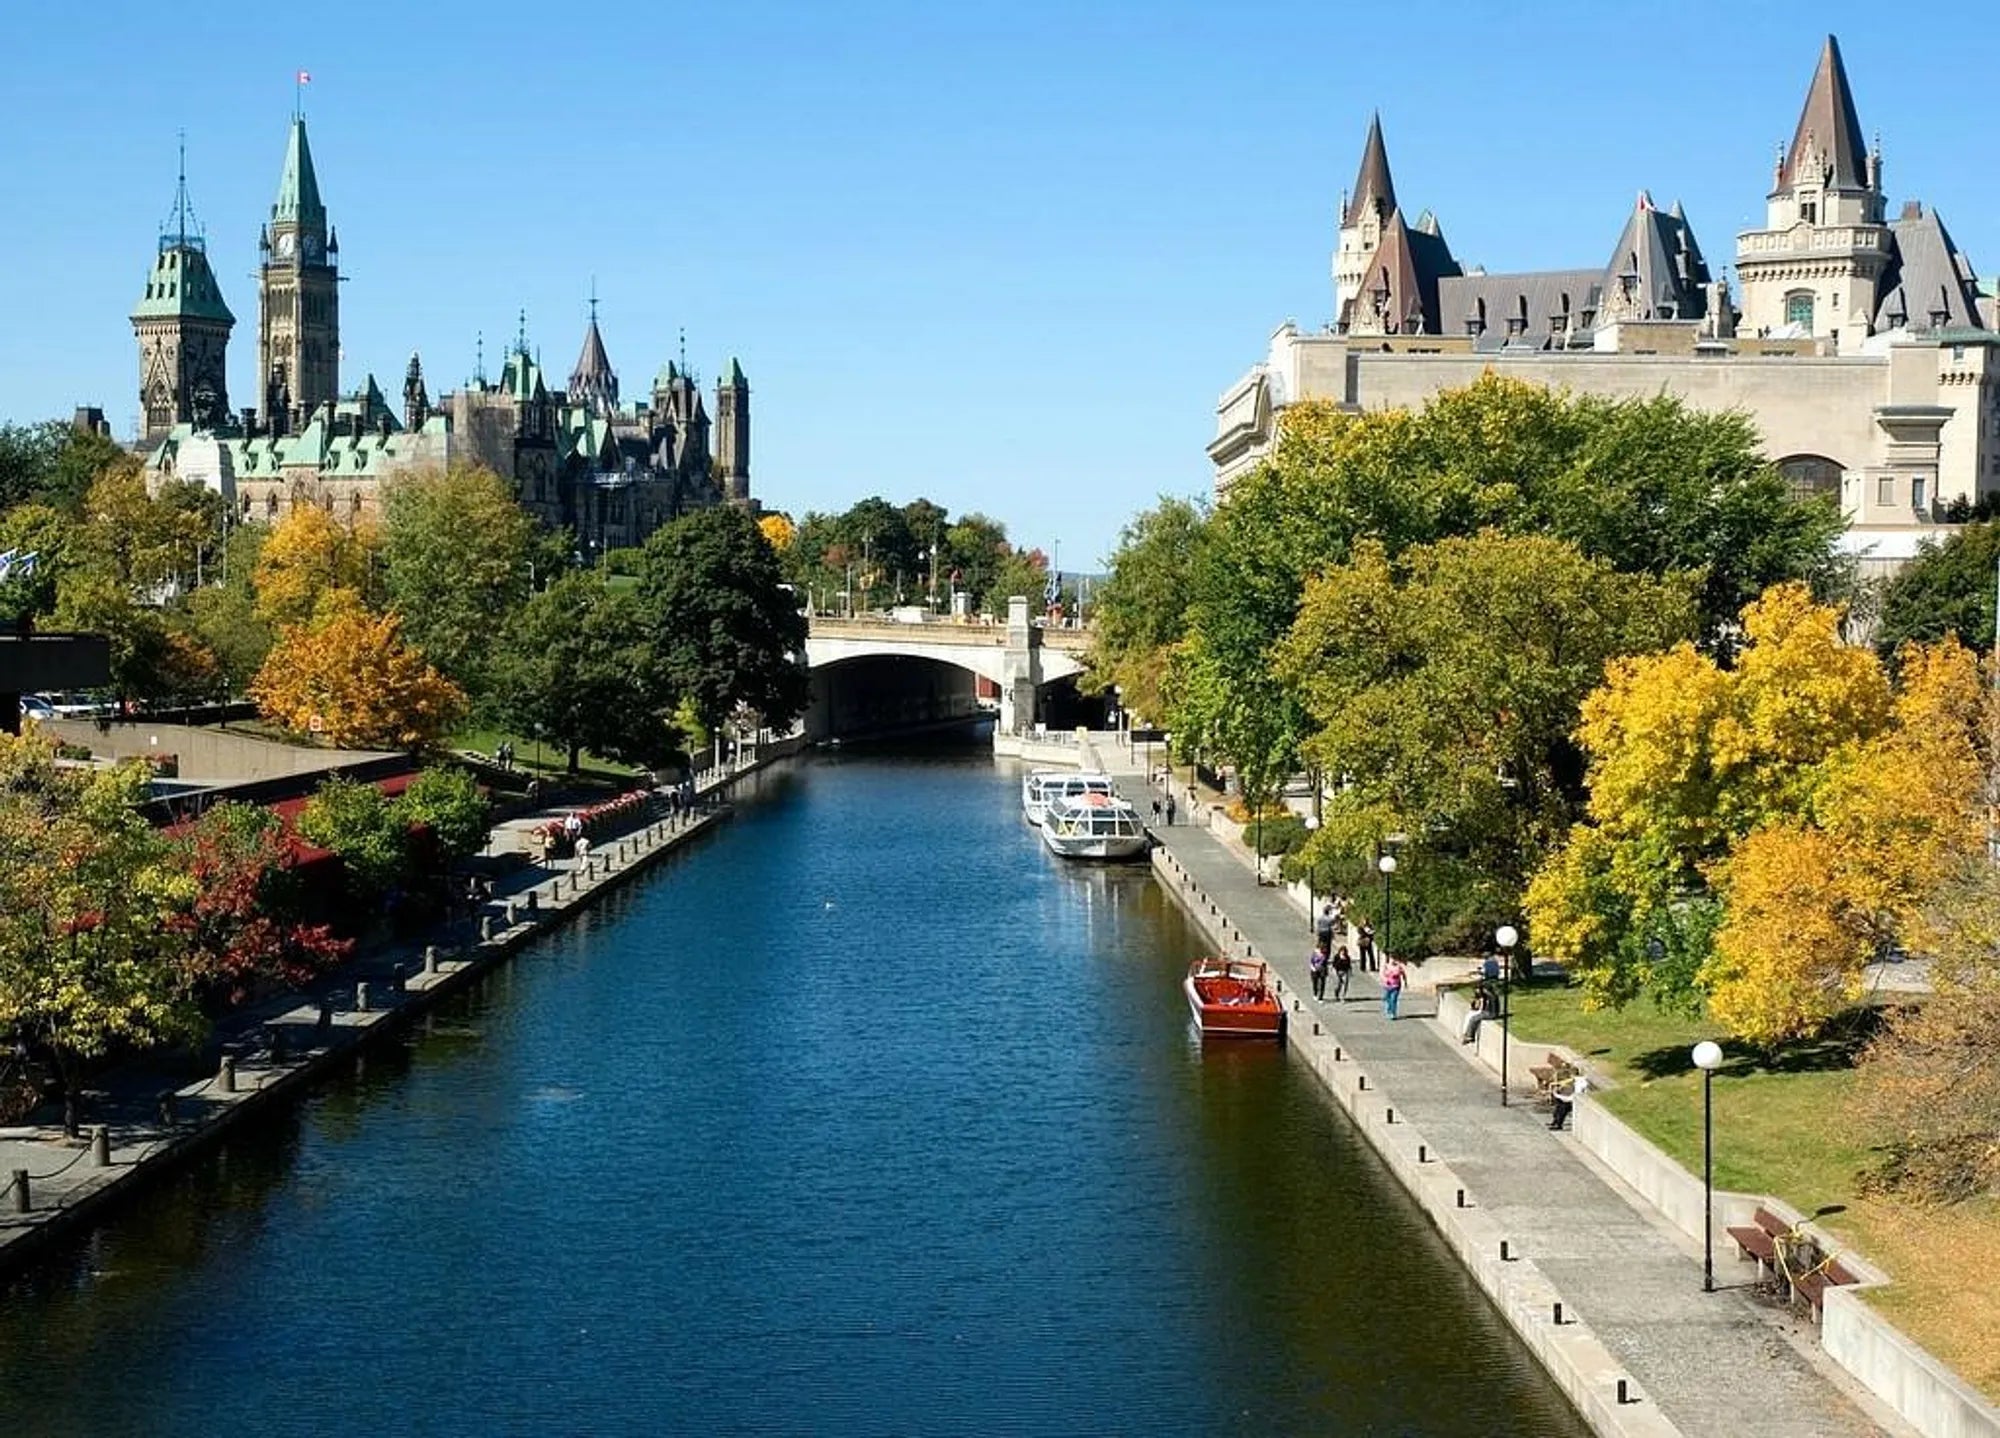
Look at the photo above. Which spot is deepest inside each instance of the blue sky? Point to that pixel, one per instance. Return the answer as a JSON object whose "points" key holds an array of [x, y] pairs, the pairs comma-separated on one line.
{"points": [[1006, 256]]}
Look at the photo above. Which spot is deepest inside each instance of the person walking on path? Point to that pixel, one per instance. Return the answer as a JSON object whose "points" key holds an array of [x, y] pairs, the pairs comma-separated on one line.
{"points": [[1392, 985], [1170, 811], [1317, 964], [1156, 808], [1342, 964], [1364, 938], [1324, 922], [1567, 1093]]}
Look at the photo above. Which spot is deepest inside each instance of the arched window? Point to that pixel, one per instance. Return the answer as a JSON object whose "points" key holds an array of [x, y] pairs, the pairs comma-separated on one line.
{"points": [[1799, 309], [1808, 476]]}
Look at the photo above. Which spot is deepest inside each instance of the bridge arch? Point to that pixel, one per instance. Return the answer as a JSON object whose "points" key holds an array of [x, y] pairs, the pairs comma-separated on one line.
{"points": [[878, 676]]}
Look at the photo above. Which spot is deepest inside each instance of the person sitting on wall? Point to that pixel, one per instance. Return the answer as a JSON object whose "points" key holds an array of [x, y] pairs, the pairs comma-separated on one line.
{"points": [[1485, 1005]]}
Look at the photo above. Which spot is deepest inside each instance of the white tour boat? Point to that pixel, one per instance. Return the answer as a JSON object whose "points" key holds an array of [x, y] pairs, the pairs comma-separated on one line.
{"points": [[1092, 825], [1043, 786]]}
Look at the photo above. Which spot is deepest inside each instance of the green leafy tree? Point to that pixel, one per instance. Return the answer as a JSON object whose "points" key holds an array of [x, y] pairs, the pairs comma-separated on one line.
{"points": [[1947, 589], [578, 667], [1141, 609], [52, 463], [455, 556], [90, 958], [726, 630], [50, 535], [1442, 689], [449, 803], [357, 822], [224, 618]]}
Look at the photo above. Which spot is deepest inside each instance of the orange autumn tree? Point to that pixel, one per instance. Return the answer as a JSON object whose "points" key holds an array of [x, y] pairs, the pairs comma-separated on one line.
{"points": [[348, 677], [1759, 833]]}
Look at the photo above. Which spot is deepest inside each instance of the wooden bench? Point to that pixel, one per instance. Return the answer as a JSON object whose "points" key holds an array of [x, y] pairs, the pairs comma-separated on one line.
{"points": [[1810, 1287], [1759, 1239], [1552, 1070]]}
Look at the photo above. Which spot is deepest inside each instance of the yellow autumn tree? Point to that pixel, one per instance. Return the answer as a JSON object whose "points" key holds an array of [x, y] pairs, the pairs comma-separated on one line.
{"points": [[1790, 952], [1759, 833], [778, 530], [308, 555], [348, 677]]}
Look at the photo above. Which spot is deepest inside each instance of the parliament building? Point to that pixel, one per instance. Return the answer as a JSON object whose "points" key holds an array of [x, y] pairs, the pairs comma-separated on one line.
{"points": [[1860, 343], [579, 457]]}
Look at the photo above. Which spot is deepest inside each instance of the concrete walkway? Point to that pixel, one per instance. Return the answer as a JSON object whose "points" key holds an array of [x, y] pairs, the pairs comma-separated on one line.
{"points": [[1713, 1364]]}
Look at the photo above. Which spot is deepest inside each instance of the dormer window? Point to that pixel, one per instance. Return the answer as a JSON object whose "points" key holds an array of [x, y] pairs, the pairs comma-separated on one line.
{"points": [[1809, 212]]}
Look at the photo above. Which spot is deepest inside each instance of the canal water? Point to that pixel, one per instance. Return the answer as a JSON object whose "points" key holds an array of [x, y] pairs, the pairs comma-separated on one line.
{"points": [[863, 1116]]}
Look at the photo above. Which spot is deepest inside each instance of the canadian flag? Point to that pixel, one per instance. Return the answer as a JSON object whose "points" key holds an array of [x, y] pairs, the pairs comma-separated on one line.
{"points": [[305, 77]]}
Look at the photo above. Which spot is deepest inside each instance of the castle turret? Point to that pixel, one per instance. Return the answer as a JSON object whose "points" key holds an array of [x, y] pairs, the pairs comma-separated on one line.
{"points": [[1364, 213], [1817, 265], [182, 326]]}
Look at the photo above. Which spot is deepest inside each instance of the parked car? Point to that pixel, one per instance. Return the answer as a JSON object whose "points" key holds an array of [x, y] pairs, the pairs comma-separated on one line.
{"points": [[35, 706], [80, 705]]}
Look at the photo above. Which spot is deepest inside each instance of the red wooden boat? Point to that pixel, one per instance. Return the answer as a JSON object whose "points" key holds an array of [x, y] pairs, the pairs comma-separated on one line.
{"points": [[1234, 998]]}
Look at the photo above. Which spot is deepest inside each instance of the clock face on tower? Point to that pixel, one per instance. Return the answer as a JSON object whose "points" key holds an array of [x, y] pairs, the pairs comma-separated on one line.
{"points": [[285, 245]]}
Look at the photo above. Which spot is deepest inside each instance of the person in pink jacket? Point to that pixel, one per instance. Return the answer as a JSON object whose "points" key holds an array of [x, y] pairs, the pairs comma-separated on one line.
{"points": [[1392, 985]]}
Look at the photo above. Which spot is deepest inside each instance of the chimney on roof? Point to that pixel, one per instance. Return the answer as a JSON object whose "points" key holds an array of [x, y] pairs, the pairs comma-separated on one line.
{"points": [[1912, 210]]}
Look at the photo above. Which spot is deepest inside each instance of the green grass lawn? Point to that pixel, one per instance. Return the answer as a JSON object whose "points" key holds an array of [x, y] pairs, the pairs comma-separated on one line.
{"points": [[1785, 1125], [1778, 1125], [548, 760]]}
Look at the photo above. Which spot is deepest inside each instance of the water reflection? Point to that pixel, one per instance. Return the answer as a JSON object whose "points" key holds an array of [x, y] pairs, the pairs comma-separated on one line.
{"points": [[866, 1116]]}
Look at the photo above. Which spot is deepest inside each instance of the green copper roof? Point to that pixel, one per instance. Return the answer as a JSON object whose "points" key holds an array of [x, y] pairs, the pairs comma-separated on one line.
{"points": [[298, 187], [182, 286], [735, 374]]}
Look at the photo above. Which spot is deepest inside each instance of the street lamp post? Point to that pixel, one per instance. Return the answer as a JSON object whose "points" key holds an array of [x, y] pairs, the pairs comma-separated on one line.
{"points": [[1312, 874], [1387, 864], [1505, 937], [1707, 1057]]}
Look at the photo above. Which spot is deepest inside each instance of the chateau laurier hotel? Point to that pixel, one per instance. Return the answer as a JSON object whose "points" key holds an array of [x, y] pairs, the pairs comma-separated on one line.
{"points": [[1861, 345]]}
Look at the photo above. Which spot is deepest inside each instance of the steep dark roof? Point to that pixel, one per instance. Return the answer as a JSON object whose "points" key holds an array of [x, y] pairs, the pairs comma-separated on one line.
{"points": [[1828, 119], [1402, 277], [1656, 271], [593, 381], [1929, 284], [1372, 185]]}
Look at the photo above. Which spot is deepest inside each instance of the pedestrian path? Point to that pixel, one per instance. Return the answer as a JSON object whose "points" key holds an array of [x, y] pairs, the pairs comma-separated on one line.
{"points": [[1713, 1363]]}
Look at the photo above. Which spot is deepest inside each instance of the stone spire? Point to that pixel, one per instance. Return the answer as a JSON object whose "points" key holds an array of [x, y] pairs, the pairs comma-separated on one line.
{"points": [[593, 382], [1829, 132], [1372, 185]]}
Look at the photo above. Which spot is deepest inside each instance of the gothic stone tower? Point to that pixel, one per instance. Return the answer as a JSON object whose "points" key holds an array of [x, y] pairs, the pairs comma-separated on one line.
{"points": [[182, 327], [732, 435], [298, 297], [1818, 263]]}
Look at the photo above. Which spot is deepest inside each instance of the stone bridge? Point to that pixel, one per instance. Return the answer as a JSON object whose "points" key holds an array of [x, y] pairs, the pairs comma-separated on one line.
{"points": [[877, 676]]}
